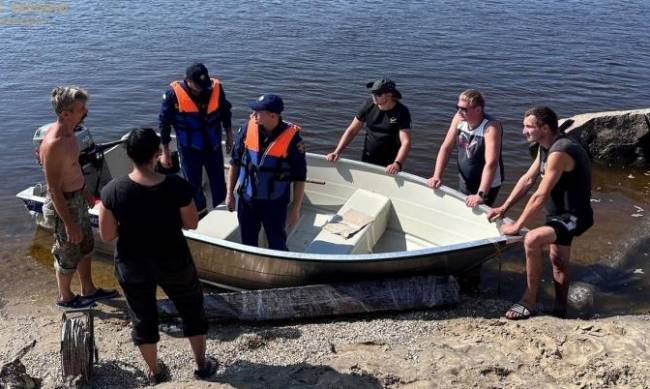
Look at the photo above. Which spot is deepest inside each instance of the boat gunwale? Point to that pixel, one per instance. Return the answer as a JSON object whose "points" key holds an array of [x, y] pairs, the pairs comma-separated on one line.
{"points": [[507, 240]]}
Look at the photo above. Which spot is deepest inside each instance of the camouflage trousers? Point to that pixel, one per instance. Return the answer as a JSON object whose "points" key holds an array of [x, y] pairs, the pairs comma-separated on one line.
{"points": [[68, 255]]}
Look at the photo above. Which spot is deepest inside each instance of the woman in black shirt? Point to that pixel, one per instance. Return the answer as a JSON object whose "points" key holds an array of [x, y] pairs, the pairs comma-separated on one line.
{"points": [[388, 122], [146, 212]]}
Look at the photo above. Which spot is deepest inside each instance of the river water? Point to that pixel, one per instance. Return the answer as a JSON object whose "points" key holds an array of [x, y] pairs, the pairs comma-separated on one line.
{"points": [[575, 56]]}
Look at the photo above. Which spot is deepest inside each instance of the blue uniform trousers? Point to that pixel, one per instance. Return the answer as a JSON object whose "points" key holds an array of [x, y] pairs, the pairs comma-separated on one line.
{"points": [[192, 163], [272, 214]]}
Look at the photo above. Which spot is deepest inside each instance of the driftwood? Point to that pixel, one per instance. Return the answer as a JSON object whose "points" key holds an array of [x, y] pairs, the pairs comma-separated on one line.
{"points": [[78, 351], [327, 300]]}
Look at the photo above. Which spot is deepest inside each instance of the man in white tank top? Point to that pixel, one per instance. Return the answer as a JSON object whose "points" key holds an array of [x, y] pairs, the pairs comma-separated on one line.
{"points": [[480, 169], [478, 138]]}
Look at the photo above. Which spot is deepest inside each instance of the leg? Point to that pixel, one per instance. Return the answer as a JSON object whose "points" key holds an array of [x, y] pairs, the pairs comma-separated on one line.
{"points": [[85, 276], [184, 289], [249, 221], [66, 259], [274, 218], [470, 280], [63, 281], [84, 268], [149, 353], [534, 243], [213, 162], [560, 256], [143, 311], [192, 166], [197, 342]]}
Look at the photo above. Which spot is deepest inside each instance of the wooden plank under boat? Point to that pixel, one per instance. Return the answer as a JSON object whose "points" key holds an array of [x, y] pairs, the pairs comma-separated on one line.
{"points": [[415, 229]]}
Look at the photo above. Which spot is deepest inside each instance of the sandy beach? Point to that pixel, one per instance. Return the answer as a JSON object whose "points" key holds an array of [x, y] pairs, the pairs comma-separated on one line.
{"points": [[470, 346]]}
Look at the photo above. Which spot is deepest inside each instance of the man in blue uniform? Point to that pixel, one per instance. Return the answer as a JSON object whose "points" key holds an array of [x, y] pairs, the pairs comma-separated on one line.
{"points": [[197, 108], [268, 156], [565, 189]]}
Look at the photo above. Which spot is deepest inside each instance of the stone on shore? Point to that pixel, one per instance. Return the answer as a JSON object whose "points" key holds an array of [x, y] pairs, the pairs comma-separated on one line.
{"points": [[615, 137]]}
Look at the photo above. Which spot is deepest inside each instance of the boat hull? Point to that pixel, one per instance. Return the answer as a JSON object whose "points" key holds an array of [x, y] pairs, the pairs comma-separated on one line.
{"points": [[233, 268], [419, 215]]}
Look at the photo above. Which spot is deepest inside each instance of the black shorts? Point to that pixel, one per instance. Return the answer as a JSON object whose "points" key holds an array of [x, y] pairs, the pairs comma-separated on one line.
{"points": [[567, 226]]}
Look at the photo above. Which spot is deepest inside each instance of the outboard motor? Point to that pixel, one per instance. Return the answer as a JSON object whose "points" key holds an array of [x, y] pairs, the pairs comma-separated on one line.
{"points": [[91, 157], [84, 138]]}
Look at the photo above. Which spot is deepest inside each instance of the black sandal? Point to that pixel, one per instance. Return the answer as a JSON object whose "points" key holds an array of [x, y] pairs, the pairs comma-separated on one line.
{"points": [[208, 370], [163, 375]]}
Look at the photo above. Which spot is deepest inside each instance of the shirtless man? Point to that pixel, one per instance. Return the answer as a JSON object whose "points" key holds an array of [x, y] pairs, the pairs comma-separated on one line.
{"points": [[67, 201]]}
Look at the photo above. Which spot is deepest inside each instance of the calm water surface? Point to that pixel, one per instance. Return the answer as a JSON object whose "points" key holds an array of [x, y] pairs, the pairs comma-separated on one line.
{"points": [[575, 56]]}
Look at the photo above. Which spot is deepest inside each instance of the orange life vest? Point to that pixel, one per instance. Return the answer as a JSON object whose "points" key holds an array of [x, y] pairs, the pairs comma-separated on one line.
{"points": [[266, 176], [187, 105]]}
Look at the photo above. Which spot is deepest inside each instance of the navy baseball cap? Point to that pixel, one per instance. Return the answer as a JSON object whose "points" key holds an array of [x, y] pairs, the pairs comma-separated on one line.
{"points": [[198, 73], [267, 102]]}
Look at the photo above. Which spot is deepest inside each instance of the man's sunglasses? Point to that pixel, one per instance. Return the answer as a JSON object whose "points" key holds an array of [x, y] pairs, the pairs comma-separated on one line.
{"points": [[462, 109]]}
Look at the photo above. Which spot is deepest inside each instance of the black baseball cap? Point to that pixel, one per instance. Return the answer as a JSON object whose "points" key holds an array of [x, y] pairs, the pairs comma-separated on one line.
{"points": [[198, 73]]}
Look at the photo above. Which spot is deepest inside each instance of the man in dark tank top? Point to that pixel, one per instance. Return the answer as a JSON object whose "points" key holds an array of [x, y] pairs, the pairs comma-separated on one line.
{"points": [[565, 190]]}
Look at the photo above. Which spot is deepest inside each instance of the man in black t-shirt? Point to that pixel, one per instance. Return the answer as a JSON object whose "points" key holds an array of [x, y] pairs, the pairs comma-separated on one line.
{"points": [[565, 189], [388, 122]]}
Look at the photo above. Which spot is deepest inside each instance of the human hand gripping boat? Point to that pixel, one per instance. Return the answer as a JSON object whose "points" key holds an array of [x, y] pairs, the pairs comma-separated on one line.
{"points": [[355, 223]]}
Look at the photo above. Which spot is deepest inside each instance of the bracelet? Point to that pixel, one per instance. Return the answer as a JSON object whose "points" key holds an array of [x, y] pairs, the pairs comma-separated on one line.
{"points": [[398, 164]]}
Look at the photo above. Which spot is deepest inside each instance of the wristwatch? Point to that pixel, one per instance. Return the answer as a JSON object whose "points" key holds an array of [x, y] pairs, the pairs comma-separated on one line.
{"points": [[481, 194], [398, 164]]}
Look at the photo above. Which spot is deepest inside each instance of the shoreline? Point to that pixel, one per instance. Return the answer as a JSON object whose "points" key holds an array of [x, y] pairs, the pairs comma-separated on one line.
{"points": [[467, 346]]}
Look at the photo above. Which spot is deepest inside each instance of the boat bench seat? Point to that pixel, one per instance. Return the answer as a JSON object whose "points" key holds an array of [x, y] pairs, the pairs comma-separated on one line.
{"points": [[375, 205], [220, 223]]}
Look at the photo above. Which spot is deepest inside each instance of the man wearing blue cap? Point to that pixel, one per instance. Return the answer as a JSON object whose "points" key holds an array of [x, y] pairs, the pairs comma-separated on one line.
{"points": [[388, 122], [268, 155], [197, 108]]}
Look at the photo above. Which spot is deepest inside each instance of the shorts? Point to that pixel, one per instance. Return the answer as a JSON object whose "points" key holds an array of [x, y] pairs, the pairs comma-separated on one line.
{"points": [[567, 226], [68, 255]]}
